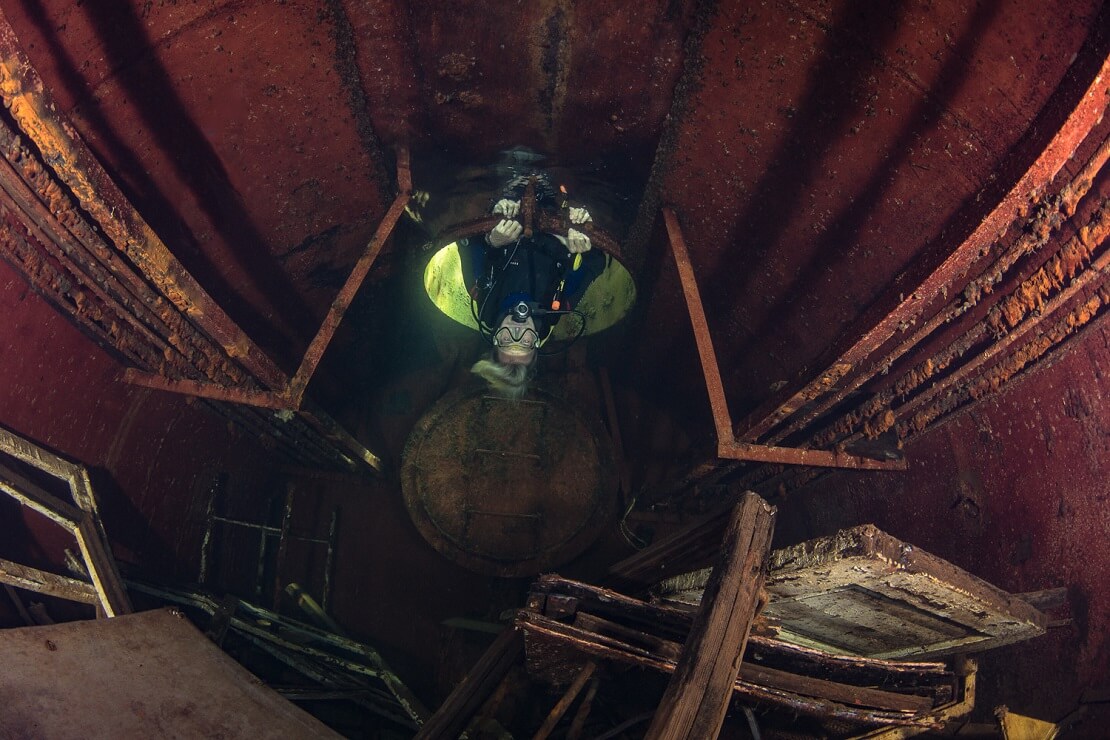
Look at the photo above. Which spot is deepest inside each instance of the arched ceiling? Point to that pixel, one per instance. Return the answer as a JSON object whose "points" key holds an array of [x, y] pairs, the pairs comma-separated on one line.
{"points": [[891, 210], [813, 152]]}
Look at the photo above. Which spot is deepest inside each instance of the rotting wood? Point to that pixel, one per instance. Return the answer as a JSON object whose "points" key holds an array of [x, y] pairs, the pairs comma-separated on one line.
{"points": [[541, 628], [43, 582], [34, 497], [697, 697], [689, 548], [565, 701], [911, 604], [451, 717], [579, 721]]}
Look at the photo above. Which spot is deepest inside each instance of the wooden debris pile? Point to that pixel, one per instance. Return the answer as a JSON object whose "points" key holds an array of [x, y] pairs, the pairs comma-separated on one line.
{"points": [[567, 623]]}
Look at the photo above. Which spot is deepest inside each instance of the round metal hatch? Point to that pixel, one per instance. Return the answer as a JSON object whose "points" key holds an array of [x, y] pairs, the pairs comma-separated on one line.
{"points": [[508, 488]]}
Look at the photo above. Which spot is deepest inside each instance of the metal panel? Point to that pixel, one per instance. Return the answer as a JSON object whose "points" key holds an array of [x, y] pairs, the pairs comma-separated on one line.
{"points": [[165, 678]]}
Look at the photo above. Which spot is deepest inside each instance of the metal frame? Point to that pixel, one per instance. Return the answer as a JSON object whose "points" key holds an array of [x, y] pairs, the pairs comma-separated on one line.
{"points": [[284, 535], [728, 446], [1086, 112], [70, 160], [82, 520]]}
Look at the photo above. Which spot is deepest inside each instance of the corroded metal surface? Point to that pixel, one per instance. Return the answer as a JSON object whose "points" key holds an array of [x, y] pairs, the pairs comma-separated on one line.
{"points": [[31, 107], [727, 445], [162, 672], [508, 487], [1089, 109]]}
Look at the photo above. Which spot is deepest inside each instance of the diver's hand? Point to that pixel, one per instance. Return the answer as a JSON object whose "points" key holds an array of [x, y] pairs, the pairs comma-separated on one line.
{"points": [[579, 216], [507, 208], [504, 233], [577, 242]]}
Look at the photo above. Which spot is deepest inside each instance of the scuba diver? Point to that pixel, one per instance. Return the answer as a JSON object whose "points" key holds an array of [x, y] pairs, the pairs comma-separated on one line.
{"points": [[524, 281]]}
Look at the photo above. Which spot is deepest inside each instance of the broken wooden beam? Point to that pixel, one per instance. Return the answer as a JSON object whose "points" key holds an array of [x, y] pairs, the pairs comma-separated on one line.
{"points": [[452, 716], [565, 701], [697, 697]]}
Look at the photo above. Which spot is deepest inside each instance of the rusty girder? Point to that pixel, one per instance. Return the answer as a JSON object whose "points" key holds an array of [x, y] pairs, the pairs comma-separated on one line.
{"points": [[728, 447], [159, 318], [946, 279], [1034, 236]]}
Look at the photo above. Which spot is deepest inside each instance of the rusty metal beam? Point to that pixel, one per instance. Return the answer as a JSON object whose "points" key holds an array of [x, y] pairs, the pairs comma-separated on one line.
{"points": [[261, 399], [1035, 234], [33, 109], [1086, 113], [728, 447], [733, 450], [298, 384], [708, 356], [51, 216], [1094, 234]]}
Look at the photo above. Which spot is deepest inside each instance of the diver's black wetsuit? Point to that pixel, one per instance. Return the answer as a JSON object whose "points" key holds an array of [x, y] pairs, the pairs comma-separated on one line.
{"points": [[537, 266]]}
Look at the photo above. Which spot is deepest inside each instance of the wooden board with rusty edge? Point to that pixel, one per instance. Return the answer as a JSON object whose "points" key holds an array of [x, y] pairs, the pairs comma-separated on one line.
{"points": [[565, 619], [451, 717], [864, 592], [805, 695]]}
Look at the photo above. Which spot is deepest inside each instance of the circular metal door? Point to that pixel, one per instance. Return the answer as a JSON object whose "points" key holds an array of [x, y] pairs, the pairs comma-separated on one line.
{"points": [[508, 488]]}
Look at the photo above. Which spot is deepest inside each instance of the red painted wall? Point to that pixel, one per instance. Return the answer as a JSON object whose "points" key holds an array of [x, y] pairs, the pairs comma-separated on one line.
{"points": [[148, 452]]}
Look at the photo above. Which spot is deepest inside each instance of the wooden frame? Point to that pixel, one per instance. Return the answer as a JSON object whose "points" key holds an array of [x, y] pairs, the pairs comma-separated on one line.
{"points": [[82, 520]]}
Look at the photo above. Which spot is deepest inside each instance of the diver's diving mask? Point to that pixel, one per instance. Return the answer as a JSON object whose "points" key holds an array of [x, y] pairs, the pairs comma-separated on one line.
{"points": [[522, 336]]}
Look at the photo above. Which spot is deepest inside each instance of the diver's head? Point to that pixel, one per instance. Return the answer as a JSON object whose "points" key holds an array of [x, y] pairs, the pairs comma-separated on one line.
{"points": [[515, 340]]}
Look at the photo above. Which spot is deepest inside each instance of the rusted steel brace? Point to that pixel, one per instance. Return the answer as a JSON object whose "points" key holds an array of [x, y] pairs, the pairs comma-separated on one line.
{"points": [[727, 445], [1074, 191], [34, 111], [296, 388], [795, 456], [1085, 115], [53, 209], [1097, 270], [261, 399]]}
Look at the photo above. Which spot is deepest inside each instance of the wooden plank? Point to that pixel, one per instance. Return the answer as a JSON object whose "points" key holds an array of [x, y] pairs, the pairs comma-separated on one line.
{"points": [[686, 549], [697, 697], [450, 719], [579, 721], [864, 592], [102, 568], [565, 701], [40, 581], [765, 676], [33, 496], [539, 628]]}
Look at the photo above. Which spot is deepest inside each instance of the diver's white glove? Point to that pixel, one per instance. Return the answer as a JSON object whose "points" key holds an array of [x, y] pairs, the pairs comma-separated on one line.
{"points": [[579, 216], [507, 208], [577, 242], [506, 232]]}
